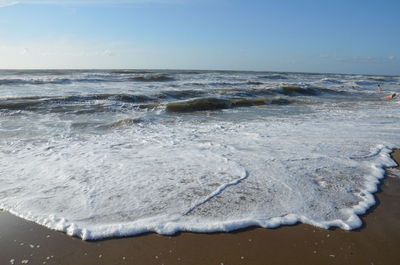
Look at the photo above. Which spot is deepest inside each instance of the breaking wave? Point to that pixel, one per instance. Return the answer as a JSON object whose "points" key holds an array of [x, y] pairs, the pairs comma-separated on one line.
{"points": [[193, 99], [152, 78], [308, 91], [274, 77], [38, 81], [203, 104], [121, 124]]}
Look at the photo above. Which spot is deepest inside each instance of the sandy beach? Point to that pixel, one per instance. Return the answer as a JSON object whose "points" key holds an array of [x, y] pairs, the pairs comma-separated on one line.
{"points": [[183, 132], [23, 242]]}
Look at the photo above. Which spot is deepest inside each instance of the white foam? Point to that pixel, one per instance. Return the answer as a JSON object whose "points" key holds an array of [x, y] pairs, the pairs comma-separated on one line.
{"points": [[200, 174]]}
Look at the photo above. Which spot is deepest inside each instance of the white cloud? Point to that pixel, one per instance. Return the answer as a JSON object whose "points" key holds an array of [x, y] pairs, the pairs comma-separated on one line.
{"points": [[4, 3], [66, 52], [24, 51], [108, 52]]}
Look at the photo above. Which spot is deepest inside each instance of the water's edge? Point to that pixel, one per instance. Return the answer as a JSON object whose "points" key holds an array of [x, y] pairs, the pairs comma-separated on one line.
{"points": [[275, 222]]}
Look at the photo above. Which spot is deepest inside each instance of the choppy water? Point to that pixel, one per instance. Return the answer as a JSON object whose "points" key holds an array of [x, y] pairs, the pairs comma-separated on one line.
{"points": [[114, 153]]}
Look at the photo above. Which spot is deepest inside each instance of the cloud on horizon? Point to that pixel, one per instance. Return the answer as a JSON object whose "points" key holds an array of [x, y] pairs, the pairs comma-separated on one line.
{"points": [[67, 52], [4, 3]]}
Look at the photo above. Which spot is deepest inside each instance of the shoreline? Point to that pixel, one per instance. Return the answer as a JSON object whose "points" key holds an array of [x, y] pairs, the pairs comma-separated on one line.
{"points": [[375, 242], [396, 157]]}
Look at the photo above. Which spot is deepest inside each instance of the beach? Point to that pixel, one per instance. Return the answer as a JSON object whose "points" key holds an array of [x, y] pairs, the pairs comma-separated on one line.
{"points": [[199, 132], [197, 167], [376, 242], [173, 132]]}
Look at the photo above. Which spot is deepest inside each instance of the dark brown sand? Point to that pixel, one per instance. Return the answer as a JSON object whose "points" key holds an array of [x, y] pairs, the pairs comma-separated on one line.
{"points": [[376, 243]]}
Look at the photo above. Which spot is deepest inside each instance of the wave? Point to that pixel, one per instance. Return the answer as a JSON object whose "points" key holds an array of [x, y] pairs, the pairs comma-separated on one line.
{"points": [[367, 83], [152, 78], [207, 104], [331, 80], [130, 72], [199, 104], [120, 77], [120, 124], [181, 94], [190, 99], [164, 159], [274, 77], [254, 83], [59, 81], [381, 78], [19, 105], [38, 81], [223, 84], [194, 84], [128, 98], [307, 91], [77, 104]]}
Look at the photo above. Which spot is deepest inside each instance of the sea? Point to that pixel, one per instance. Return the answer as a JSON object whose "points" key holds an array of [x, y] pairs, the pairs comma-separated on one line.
{"points": [[114, 153]]}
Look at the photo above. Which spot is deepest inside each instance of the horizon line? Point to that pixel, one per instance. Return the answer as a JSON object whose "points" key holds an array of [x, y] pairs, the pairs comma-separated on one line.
{"points": [[189, 69]]}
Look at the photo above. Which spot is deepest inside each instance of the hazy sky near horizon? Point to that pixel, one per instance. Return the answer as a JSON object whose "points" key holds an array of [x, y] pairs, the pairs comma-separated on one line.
{"points": [[350, 36]]}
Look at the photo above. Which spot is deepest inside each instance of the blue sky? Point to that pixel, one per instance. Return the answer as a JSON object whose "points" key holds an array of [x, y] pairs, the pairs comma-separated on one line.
{"points": [[287, 35]]}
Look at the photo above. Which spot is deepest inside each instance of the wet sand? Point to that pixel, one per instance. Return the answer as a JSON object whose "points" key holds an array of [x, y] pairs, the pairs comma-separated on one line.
{"points": [[376, 243]]}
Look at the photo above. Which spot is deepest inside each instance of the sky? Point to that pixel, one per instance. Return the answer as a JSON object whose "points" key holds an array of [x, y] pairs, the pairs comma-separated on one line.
{"points": [[334, 36]]}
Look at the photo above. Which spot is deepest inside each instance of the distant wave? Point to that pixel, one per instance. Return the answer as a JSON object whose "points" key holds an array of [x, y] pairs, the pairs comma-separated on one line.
{"points": [[58, 81], [38, 81], [181, 94], [331, 80], [366, 83], [130, 72], [223, 84], [254, 83], [152, 78], [381, 78], [94, 78], [273, 77]]}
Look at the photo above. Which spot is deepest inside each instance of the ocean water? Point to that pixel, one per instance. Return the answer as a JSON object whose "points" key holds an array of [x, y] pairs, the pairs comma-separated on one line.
{"points": [[109, 153]]}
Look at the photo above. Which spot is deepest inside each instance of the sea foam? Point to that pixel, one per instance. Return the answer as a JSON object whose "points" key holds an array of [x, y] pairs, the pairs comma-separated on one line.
{"points": [[205, 171]]}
